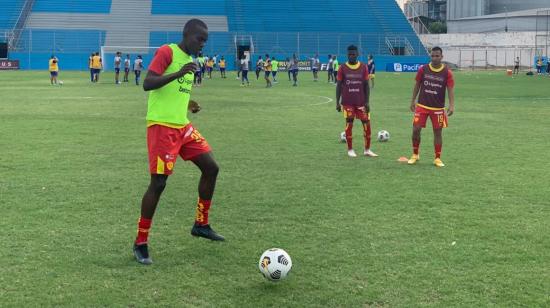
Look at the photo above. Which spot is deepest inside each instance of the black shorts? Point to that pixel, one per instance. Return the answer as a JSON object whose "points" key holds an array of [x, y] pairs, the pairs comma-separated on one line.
{"points": [[267, 73], [126, 70], [53, 74], [117, 70]]}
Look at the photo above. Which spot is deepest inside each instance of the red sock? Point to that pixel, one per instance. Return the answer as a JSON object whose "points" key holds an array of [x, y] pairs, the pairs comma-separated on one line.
{"points": [[144, 225], [438, 150], [367, 135], [201, 216], [416, 147], [349, 128]]}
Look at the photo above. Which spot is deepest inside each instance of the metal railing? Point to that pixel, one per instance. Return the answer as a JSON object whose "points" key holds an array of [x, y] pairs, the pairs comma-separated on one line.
{"points": [[287, 43]]}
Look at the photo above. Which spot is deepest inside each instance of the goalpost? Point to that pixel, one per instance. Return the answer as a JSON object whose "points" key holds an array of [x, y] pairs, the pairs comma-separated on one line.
{"points": [[108, 55]]}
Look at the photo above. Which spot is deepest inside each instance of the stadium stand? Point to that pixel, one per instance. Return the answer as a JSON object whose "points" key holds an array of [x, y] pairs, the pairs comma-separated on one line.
{"points": [[74, 28]]}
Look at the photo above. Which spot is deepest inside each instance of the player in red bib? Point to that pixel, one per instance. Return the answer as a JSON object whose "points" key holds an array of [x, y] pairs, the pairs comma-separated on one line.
{"points": [[432, 80], [170, 133], [352, 96]]}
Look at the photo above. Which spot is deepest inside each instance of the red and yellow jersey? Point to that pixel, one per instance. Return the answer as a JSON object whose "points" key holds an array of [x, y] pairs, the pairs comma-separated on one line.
{"points": [[222, 63], [433, 83], [352, 78], [210, 63], [53, 65]]}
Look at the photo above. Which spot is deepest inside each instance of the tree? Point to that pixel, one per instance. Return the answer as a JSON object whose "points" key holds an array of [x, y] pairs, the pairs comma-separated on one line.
{"points": [[437, 27]]}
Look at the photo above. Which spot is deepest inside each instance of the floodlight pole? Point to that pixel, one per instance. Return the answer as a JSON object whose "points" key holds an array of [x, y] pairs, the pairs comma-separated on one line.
{"points": [[505, 19]]}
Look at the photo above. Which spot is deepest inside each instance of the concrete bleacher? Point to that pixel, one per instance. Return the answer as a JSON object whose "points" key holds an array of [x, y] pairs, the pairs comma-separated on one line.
{"points": [[282, 28]]}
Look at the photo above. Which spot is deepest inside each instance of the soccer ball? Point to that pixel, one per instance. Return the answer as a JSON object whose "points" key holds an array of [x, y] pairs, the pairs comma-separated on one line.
{"points": [[383, 136], [60, 82], [275, 264], [343, 137]]}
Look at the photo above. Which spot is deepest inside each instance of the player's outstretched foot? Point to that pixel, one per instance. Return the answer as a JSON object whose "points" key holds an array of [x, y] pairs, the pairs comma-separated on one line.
{"points": [[351, 153], [206, 232], [414, 158], [141, 253], [370, 153], [438, 163]]}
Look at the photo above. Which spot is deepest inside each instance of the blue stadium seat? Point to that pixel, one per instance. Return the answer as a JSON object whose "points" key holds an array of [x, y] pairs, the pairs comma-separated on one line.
{"points": [[10, 13]]}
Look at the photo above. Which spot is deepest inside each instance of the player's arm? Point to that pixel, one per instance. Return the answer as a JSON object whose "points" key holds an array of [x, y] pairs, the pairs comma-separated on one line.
{"points": [[416, 90], [154, 81], [451, 109], [451, 92], [338, 95]]}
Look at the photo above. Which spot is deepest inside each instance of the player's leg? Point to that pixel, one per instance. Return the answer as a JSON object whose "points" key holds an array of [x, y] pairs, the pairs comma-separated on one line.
{"points": [[274, 76], [438, 145], [207, 183], [439, 121], [295, 77], [415, 144], [372, 81], [367, 134]]}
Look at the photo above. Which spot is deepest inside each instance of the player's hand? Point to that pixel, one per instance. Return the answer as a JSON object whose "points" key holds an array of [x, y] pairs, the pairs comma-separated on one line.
{"points": [[450, 110], [193, 106], [412, 107], [187, 68], [339, 107]]}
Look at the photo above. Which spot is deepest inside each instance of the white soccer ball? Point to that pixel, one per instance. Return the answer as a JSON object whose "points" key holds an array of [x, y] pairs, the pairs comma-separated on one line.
{"points": [[275, 264], [383, 136], [343, 137], [60, 82]]}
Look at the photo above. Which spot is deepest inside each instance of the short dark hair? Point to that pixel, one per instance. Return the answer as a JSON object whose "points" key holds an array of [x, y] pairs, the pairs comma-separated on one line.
{"points": [[192, 24], [352, 47], [438, 49]]}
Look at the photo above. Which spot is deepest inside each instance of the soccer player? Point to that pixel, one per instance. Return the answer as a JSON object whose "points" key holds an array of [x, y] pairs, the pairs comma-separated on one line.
{"points": [[431, 82], [516, 66], [197, 78], [90, 66], [170, 133], [294, 69], [222, 67], [288, 68], [210, 67], [138, 66], [372, 70], [539, 66], [53, 64], [330, 69], [117, 66], [96, 66], [244, 71], [126, 67], [202, 62], [335, 66], [352, 96], [259, 65], [267, 70], [274, 69], [315, 67]]}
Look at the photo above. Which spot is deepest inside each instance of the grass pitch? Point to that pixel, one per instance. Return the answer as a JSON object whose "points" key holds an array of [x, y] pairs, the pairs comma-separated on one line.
{"points": [[361, 232]]}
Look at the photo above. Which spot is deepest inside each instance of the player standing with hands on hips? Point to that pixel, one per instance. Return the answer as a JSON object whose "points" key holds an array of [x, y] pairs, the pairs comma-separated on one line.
{"points": [[170, 133]]}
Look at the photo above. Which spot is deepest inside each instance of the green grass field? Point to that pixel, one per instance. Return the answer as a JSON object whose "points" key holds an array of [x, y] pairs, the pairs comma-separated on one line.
{"points": [[361, 232]]}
